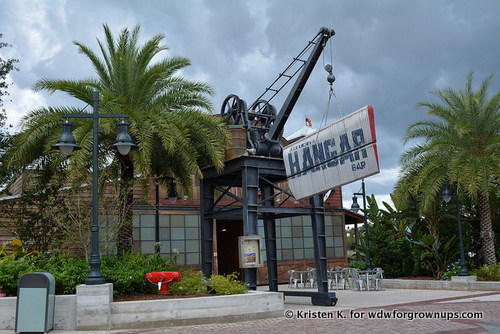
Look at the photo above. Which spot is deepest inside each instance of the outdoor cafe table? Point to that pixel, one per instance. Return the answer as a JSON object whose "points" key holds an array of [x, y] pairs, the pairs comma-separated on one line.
{"points": [[367, 274]]}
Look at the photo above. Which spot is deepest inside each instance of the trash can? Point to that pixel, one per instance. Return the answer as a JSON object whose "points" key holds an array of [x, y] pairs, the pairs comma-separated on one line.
{"points": [[35, 302]]}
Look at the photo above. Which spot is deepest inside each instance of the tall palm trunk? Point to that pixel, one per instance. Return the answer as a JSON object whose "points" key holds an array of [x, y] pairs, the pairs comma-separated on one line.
{"points": [[486, 229], [125, 232], [434, 231]]}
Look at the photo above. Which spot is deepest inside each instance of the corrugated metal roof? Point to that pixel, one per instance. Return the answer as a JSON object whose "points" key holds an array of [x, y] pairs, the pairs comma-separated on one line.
{"points": [[304, 131]]}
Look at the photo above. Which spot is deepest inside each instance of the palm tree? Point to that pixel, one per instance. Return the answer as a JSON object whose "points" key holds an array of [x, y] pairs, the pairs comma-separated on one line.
{"points": [[169, 119], [462, 145]]}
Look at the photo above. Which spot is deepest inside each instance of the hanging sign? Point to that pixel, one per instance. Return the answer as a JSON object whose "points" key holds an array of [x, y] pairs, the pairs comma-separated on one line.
{"points": [[341, 153]]}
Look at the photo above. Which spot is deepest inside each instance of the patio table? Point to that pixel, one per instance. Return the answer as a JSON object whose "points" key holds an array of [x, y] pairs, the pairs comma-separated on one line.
{"points": [[366, 274], [301, 273], [337, 274]]}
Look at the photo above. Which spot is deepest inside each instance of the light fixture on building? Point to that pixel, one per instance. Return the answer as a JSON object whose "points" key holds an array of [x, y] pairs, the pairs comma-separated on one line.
{"points": [[172, 192]]}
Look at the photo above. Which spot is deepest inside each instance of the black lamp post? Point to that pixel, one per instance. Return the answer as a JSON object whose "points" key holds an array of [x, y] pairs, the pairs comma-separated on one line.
{"points": [[67, 144], [172, 197], [355, 207], [447, 196]]}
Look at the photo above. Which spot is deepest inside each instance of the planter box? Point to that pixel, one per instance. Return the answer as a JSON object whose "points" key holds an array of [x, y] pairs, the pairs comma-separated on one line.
{"points": [[196, 311], [71, 311]]}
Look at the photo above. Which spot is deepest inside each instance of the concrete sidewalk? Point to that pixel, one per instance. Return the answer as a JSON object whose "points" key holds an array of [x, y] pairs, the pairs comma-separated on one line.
{"points": [[397, 310], [352, 299]]}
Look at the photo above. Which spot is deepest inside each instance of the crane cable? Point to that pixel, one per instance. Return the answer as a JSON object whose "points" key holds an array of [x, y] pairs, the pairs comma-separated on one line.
{"points": [[331, 92]]}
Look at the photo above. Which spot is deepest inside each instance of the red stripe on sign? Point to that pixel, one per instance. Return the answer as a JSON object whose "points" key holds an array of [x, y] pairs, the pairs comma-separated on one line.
{"points": [[376, 155], [371, 118]]}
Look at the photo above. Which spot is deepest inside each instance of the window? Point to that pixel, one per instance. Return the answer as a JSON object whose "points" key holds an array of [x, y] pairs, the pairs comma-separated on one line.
{"points": [[294, 239], [177, 232]]}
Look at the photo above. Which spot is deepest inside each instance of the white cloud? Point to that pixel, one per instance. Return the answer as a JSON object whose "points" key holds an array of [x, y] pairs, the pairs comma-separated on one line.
{"points": [[19, 102], [255, 61], [40, 26], [198, 74], [380, 185], [386, 176]]}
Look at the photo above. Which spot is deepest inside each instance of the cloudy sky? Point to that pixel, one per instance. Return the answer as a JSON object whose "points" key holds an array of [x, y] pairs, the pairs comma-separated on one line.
{"points": [[386, 53]]}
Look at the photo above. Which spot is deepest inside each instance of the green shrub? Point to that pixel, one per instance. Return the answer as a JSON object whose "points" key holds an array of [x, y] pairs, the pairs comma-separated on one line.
{"points": [[226, 285], [192, 283], [128, 273], [489, 273], [10, 272], [68, 272], [361, 265], [452, 270]]}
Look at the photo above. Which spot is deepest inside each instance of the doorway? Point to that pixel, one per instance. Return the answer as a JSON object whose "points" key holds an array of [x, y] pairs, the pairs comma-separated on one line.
{"points": [[228, 232]]}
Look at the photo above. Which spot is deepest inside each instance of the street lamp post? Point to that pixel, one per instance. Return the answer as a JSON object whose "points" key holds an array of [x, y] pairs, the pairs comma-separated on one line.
{"points": [[447, 196], [67, 144], [355, 208]]}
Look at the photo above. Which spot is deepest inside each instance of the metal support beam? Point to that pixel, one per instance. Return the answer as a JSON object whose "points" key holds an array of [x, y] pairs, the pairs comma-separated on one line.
{"points": [[250, 187], [207, 224], [270, 237], [319, 237]]}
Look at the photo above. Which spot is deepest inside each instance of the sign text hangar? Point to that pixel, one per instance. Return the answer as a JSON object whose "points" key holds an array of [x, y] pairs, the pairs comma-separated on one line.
{"points": [[341, 153]]}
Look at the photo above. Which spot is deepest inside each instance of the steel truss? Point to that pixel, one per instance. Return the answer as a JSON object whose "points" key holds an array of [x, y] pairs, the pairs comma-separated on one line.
{"points": [[251, 174]]}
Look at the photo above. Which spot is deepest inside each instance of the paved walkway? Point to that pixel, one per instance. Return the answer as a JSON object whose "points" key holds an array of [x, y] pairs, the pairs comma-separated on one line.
{"points": [[392, 310]]}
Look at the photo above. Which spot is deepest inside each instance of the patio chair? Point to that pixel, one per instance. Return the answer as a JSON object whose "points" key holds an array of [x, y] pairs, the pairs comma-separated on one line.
{"points": [[345, 278], [331, 278], [336, 278], [376, 279], [293, 279], [349, 280], [311, 277], [358, 281]]}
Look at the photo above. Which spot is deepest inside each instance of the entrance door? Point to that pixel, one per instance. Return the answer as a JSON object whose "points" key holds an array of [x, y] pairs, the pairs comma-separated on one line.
{"points": [[228, 232]]}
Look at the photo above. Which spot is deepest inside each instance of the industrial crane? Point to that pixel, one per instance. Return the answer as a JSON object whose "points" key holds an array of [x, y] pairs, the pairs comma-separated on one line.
{"points": [[257, 173]]}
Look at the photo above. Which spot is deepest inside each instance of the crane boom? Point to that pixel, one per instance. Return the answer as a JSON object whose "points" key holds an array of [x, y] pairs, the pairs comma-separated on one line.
{"points": [[297, 88]]}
